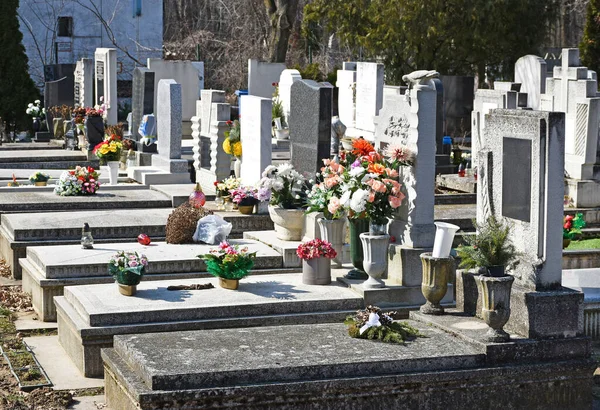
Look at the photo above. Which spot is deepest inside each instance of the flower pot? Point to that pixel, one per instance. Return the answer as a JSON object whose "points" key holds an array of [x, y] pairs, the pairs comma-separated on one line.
{"points": [[566, 243], [444, 236], [316, 271], [113, 172], [436, 273], [237, 167], [127, 290], [346, 144], [496, 271], [231, 284], [282, 134], [37, 125], [332, 231], [41, 183], [128, 277], [246, 209], [375, 250], [357, 226], [288, 223], [495, 305]]}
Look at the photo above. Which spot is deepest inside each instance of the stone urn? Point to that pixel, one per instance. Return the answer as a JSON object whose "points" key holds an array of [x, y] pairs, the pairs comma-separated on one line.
{"points": [[288, 223], [436, 273], [357, 226], [332, 231], [375, 251], [495, 304], [316, 271]]}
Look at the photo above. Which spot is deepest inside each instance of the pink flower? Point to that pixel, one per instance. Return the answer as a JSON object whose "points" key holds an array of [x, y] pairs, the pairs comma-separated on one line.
{"points": [[133, 263], [394, 201], [378, 186], [392, 173], [371, 198], [332, 181], [224, 245], [334, 205]]}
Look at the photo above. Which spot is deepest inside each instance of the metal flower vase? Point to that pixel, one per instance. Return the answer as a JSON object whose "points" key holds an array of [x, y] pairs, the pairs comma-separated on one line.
{"points": [[375, 250], [332, 231], [434, 285], [495, 304]]}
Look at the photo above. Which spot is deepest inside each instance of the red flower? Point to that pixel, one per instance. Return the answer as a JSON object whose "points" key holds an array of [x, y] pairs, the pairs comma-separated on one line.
{"points": [[229, 122], [362, 147]]}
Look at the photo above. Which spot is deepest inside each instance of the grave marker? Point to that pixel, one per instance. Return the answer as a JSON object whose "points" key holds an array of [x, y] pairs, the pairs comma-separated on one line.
{"points": [[256, 137], [106, 82], [369, 94]]}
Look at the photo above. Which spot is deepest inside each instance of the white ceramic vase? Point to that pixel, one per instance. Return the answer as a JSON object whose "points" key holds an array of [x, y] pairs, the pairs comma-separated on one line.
{"points": [[237, 167], [113, 172], [332, 231], [375, 251]]}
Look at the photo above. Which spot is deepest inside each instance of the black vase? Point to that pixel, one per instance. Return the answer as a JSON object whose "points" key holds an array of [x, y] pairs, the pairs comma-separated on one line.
{"points": [[357, 226], [37, 125], [496, 271], [94, 130]]}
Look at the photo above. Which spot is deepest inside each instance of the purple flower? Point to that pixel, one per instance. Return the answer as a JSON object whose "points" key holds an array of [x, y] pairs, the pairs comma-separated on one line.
{"points": [[355, 164]]}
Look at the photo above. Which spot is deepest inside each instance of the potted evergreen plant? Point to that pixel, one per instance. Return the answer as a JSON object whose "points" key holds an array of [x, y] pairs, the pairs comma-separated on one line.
{"points": [[229, 263], [315, 255], [492, 251], [39, 178]]}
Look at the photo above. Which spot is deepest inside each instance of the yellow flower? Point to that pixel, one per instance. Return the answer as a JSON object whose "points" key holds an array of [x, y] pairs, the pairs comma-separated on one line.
{"points": [[227, 146], [237, 149]]}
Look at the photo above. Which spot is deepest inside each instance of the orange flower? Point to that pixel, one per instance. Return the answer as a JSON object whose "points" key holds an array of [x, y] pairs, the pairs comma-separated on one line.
{"points": [[362, 147], [376, 169], [371, 198]]}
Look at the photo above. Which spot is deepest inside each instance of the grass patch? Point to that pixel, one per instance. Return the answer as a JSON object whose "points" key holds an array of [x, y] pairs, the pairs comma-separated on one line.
{"points": [[584, 244]]}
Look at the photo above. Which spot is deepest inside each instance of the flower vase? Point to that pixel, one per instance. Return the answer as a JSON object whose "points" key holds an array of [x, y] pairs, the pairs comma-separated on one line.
{"points": [[495, 305], [246, 209], [316, 271], [127, 290], [434, 285], [332, 231], [237, 167], [357, 226], [37, 125], [113, 172], [375, 250], [231, 284], [41, 183], [288, 223]]}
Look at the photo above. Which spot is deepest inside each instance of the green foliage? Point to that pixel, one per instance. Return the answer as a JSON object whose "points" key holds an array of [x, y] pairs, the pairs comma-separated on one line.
{"points": [[16, 86], [229, 262], [490, 247], [454, 37], [388, 331], [572, 225], [590, 43], [310, 72], [277, 110], [585, 244]]}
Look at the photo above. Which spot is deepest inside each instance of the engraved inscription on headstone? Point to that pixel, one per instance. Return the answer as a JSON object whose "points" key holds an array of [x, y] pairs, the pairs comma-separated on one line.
{"points": [[100, 78], [516, 178]]}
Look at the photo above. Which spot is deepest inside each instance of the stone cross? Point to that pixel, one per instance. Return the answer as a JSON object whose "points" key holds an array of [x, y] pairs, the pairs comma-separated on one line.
{"points": [[106, 82], [255, 121], [310, 120]]}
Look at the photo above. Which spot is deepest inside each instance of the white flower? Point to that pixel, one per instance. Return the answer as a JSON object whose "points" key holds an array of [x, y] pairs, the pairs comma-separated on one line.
{"points": [[30, 105], [345, 198], [268, 171], [297, 197], [357, 171], [277, 185], [368, 177], [285, 169], [359, 200], [37, 102]]}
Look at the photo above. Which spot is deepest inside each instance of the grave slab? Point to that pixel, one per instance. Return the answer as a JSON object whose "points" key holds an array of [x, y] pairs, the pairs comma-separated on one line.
{"points": [[89, 316], [319, 366], [27, 146], [47, 270]]}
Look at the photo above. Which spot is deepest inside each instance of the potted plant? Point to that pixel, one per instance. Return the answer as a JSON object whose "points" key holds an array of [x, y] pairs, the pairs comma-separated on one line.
{"points": [[316, 268], [128, 268], [325, 197], [232, 145], [39, 178], [229, 263], [285, 185], [37, 113], [245, 198], [492, 251], [572, 225], [372, 191], [109, 152]]}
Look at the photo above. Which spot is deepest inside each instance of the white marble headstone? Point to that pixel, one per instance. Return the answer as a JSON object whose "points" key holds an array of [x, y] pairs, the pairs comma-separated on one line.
{"points": [[255, 121], [530, 72], [106, 82], [287, 78], [369, 94], [262, 76]]}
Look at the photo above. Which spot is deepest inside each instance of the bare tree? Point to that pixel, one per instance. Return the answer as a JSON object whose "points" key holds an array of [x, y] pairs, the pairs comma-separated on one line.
{"points": [[282, 14]]}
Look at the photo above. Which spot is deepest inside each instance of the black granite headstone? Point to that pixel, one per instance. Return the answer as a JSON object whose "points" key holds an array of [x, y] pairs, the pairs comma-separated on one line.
{"points": [[516, 178], [310, 125], [143, 98], [458, 104]]}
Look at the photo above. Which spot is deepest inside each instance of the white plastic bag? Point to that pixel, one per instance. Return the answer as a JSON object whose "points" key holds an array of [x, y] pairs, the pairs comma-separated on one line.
{"points": [[212, 229]]}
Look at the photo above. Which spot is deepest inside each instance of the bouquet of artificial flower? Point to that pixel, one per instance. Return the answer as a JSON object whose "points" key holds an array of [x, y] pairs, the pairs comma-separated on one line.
{"points": [[39, 177], [373, 324], [229, 261], [244, 196], [109, 150], [228, 184], [36, 110], [128, 266], [285, 185], [232, 144], [572, 225], [80, 181], [325, 195], [316, 248]]}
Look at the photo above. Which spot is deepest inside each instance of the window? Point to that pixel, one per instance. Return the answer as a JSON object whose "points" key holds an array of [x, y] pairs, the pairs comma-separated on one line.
{"points": [[137, 8], [65, 27]]}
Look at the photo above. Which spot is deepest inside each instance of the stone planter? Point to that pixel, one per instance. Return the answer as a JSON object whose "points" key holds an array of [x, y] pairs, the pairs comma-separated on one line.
{"points": [[282, 134], [288, 223], [375, 250], [237, 167], [357, 226], [332, 231], [113, 172], [436, 273], [316, 271], [495, 305], [231, 284], [37, 124]]}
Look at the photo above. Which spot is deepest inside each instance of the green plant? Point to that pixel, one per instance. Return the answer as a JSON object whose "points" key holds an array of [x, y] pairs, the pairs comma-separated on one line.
{"points": [[372, 324], [39, 177], [310, 72], [277, 110], [572, 225], [491, 246], [229, 261]]}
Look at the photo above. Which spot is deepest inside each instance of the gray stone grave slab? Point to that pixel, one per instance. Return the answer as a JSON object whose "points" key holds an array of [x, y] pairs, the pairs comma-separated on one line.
{"points": [[537, 297], [310, 120], [89, 316], [59, 92], [369, 94], [319, 366], [261, 77], [458, 104]]}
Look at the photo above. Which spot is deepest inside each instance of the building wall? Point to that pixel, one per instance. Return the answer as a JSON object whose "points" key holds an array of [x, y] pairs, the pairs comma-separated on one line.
{"points": [[95, 24]]}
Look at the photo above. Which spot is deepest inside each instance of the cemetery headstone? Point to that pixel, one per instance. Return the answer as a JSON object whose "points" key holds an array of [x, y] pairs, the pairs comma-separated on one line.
{"points": [[262, 76], [106, 82], [521, 169], [310, 120], [531, 72], [255, 122], [369, 94], [458, 104], [142, 102], [84, 82], [287, 78], [346, 84], [201, 127]]}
